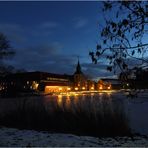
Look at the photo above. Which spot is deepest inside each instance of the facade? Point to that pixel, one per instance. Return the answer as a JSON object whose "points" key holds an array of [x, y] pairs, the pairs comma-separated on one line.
{"points": [[80, 80], [44, 82], [91, 85], [51, 83], [38, 81], [108, 84]]}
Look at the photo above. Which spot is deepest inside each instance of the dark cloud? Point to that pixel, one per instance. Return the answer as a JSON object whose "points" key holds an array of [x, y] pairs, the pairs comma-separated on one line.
{"points": [[49, 25], [49, 37], [38, 56], [80, 22], [45, 29], [45, 57], [14, 32], [48, 56], [96, 71]]}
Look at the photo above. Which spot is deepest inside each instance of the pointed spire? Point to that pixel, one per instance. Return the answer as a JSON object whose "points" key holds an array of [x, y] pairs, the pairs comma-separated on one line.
{"points": [[78, 68]]}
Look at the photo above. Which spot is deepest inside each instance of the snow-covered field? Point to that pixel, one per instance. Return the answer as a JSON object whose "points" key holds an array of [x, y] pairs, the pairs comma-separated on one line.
{"points": [[14, 137]]}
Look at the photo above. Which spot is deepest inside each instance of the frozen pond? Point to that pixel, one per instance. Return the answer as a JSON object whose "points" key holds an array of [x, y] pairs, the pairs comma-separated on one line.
{"points": [[94, 113]]}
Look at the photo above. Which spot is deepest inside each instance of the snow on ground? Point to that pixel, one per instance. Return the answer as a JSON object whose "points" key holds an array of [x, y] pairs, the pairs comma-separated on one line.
{"points": [[14, 137]]}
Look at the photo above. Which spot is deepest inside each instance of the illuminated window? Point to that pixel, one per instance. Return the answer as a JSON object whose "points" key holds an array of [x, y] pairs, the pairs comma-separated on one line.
{"points": [[76, 88], [108, 87], [100, 87], [68, 88], [83, 88], [60, 88], [36, 85], [92, 88], [78, 84]]}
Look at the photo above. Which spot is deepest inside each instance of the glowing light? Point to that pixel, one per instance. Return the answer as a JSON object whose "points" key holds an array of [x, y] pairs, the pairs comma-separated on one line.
{"points": [[101, 87], [92, 88], [60, 88], [76, 88], [83, 88], [59, 100], [67, 95], [68, 102], [75, 94], [36, 85], [68, 88], [108, 87], [108, 93]]}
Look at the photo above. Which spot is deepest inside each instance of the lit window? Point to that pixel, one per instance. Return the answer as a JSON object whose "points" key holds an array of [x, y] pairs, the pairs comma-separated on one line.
{"points": [[60, 88], [36, 85], [108, 87], [92, 88], [76, 88], [101, 87], [68, 88], [83, 88]]}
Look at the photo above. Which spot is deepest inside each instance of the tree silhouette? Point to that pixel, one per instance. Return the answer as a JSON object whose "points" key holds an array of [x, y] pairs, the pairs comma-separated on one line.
{"points": [[124, 36], [5, 51]]}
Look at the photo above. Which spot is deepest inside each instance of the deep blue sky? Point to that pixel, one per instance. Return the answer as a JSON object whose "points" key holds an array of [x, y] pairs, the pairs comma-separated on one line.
{"points": [[48, 36]]}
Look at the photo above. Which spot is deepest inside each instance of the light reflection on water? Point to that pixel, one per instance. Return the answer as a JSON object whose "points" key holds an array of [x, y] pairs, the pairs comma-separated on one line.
{"points": [[94, 103], [80, 108], [93, 113], [59, 100]]}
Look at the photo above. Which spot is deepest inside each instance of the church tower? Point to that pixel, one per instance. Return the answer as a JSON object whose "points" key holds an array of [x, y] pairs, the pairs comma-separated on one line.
{"points": [[80, 82], [78, 68]]}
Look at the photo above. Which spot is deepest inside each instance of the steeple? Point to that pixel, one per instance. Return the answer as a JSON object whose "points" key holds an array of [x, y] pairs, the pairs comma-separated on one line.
{"points": [[78, 68]]}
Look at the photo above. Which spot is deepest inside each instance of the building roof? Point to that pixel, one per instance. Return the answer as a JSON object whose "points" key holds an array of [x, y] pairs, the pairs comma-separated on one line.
{"points": [[112, 81], [35, 76]]}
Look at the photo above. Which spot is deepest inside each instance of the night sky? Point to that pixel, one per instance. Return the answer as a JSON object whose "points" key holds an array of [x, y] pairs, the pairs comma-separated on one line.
{"points": [[49, 36]]}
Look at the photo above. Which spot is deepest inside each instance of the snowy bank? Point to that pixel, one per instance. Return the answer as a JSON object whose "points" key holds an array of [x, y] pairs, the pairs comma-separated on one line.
{"points": [[14, 137]]}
